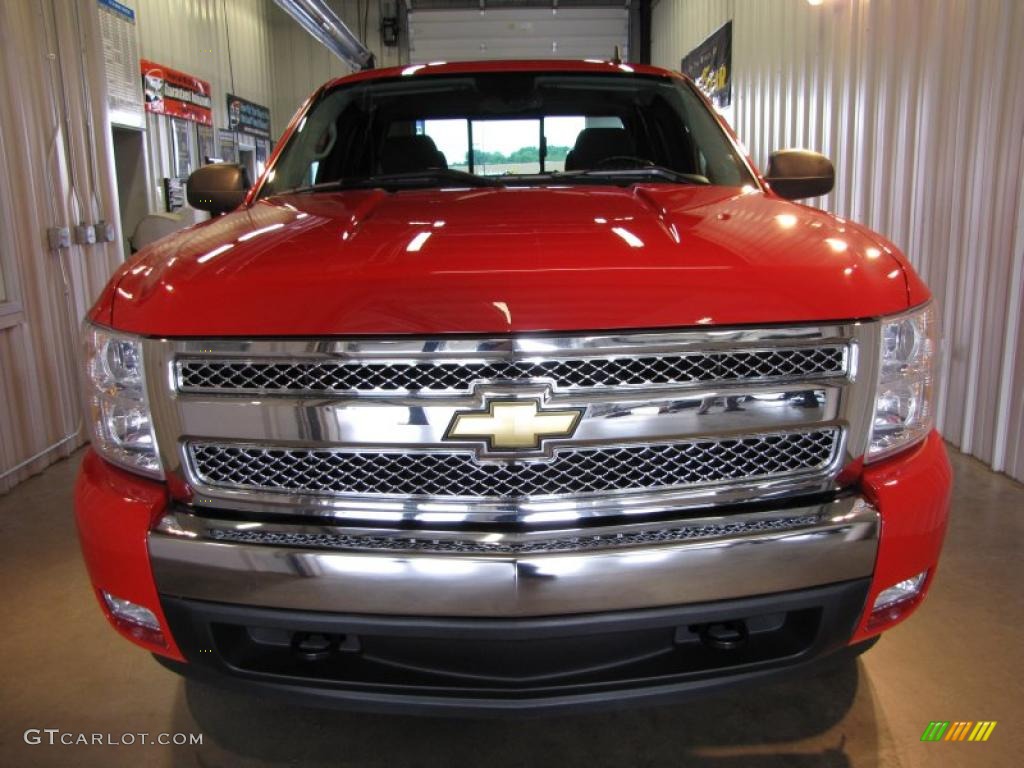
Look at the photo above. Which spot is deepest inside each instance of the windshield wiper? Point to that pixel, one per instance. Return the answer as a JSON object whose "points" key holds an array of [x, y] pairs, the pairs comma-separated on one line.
{"points": [[426, 178], [631, 174], [439, 176]]}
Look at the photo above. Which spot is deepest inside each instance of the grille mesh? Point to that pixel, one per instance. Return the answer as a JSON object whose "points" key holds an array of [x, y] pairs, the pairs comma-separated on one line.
{"points": [[577, 543], [574, 471], [202, 375]]}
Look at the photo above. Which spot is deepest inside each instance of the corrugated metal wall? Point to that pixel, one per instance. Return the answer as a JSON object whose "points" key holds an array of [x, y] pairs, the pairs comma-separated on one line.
{"points": [[272, 60], [301, 64], [51, 68], [920, 104], [221, 41], [46, 180], [225, 42]]}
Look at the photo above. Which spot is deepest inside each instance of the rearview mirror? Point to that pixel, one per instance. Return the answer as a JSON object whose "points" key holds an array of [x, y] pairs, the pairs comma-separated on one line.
{"points": [[218, 188], [798, 173]]}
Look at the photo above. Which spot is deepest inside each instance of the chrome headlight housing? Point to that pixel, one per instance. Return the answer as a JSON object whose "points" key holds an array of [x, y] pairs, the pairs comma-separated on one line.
{"points": [[906, 382], [116, 403]]}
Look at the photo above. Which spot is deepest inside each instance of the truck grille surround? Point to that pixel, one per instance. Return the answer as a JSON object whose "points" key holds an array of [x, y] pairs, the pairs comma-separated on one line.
{"points": [[360, 431]]}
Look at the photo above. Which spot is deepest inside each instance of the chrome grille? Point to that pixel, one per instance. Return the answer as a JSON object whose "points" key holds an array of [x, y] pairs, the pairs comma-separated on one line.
{"points": [[247, 376], [357, 429], [572, 471]]}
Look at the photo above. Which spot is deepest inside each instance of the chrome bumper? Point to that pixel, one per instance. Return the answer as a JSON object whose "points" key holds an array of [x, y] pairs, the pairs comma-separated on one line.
{"points": [[739, 556]]}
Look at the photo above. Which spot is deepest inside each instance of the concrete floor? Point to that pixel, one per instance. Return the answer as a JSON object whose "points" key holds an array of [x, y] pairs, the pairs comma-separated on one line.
{"points": [[959, 658]]}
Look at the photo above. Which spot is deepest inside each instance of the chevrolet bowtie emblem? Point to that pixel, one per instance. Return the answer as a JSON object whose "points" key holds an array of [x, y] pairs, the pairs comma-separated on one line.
{"points": [[511, 425]]}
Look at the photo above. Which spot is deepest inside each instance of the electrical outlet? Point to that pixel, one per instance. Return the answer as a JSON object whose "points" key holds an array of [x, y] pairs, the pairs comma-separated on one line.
{"points": [[58, 237], [85, 234], [105, 233]]}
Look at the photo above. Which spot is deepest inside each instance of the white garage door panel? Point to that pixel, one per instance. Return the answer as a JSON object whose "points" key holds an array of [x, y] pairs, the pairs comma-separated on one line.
{"points": [[519, 33]]}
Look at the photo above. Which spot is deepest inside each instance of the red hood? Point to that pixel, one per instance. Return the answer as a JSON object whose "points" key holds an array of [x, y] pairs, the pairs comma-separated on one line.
{"points": [[504, 259]]}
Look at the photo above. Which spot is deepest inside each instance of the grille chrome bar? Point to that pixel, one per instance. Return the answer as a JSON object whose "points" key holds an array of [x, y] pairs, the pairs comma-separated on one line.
{"points": [[579, 543], [180, 522], [570, 473], [296, 377]]}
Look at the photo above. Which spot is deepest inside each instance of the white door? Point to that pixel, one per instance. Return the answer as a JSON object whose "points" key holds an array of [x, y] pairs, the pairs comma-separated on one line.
{"points": [[518, 33]]}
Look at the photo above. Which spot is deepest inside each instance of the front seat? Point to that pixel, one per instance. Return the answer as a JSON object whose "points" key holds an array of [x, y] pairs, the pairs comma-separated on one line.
{"points": [[593, 145], [408, 154]]}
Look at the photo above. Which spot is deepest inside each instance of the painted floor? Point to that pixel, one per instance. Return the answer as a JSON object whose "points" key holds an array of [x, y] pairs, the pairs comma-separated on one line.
{"points": [[958, 658]]}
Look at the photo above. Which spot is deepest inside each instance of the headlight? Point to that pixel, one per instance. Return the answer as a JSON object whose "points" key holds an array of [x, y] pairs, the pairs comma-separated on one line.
{"points": [[115, 395], [903, 402]]}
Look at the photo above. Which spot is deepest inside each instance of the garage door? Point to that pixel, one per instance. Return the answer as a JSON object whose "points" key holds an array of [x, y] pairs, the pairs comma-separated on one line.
{"points": [[517, 33]]}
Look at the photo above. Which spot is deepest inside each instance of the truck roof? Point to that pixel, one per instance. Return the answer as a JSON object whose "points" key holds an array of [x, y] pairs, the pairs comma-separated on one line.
{"points": [[510, 65]]}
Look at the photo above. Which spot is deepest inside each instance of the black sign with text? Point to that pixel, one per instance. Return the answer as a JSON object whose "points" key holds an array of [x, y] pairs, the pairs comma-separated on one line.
{"points": [[709, 65], [247, 117]]}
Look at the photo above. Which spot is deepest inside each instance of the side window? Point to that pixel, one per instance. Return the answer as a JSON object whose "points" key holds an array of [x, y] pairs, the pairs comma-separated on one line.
{"points": [[451, 137], [714, 157], [560, 136], [561, 133]]}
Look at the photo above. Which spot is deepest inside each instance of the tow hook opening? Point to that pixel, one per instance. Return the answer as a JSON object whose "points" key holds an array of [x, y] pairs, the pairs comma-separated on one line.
{"points": [[320, 646], [723, 635]]}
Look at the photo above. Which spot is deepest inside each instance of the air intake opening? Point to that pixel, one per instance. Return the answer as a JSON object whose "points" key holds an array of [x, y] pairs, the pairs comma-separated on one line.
{"points": [[512, 662]]}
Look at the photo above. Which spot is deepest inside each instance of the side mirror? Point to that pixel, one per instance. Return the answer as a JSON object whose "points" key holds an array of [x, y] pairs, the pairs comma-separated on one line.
{"points": [[218, 188], [798, 173]]}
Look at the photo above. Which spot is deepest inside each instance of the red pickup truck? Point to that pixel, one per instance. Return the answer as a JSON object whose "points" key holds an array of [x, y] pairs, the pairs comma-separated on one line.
{"points": [[511, 385]]}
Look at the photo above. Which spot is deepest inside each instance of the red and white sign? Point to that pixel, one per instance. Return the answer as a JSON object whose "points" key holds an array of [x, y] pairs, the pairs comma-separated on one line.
{"points": [[171, 92]]}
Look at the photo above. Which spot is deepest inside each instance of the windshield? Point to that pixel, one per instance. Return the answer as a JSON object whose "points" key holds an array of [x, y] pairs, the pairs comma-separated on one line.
{"points": [[508, 128]]}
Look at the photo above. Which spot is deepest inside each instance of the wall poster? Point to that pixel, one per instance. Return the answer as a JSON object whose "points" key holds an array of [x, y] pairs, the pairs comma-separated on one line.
{"points": [[248, 117], [171, 92], [709, 65]]}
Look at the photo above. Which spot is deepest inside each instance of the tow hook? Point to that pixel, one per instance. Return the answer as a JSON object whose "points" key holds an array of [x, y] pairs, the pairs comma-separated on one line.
{"points": [[313, 646], [724, 635]]}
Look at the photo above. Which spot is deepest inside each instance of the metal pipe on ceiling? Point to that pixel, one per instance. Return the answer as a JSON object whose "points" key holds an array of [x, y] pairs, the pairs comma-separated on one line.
{"points": [[317, 18]]}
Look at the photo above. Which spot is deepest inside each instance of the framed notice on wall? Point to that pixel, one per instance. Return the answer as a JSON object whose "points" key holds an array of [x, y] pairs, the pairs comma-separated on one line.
{"points": [[121, 63], [709, 65], [174, 194], [227, 145], [181, 137], [207, 144]]}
